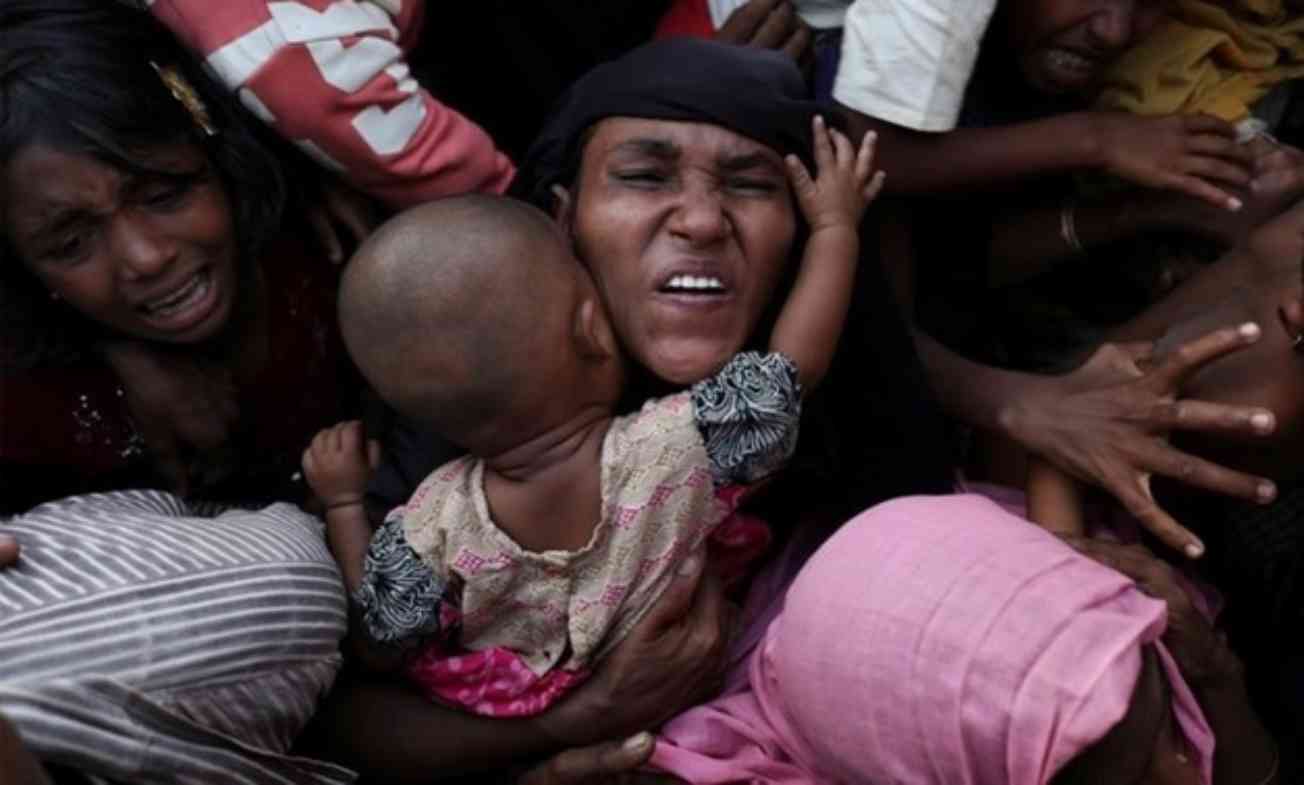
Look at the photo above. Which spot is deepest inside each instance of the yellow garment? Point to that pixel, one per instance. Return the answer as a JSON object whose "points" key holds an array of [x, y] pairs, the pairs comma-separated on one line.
{"points": [[1215, 58]]}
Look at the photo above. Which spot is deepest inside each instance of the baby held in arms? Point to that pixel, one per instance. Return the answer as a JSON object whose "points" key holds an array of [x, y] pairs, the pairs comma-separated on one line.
{"points": [[512, 570]]}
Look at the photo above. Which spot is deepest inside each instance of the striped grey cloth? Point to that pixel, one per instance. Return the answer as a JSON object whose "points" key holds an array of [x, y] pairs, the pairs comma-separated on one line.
{"points": [[143, 642]]}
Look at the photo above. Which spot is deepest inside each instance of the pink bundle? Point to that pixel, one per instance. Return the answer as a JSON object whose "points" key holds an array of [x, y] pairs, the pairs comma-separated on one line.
{"points": [[935, 641]]}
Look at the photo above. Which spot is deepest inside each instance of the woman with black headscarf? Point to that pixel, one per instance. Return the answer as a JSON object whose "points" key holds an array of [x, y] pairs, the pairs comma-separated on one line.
{"points": [[656, 173]]}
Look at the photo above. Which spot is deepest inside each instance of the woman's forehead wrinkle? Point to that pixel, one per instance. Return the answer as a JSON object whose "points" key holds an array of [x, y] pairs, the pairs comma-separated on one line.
{"points": [[653, 147], [760, 158]]}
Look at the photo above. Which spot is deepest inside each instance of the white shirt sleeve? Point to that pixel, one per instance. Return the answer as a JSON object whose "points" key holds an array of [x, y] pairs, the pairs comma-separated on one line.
{"points": [[908, 61]]}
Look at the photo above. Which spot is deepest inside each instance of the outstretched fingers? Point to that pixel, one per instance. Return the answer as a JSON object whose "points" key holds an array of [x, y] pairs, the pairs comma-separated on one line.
{"points": [[1182, 363], [1134, 493]]}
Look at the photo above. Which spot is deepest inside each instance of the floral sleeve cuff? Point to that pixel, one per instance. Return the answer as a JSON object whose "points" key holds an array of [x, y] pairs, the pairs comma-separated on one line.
{"points": [[748, 414], [400, 596]]}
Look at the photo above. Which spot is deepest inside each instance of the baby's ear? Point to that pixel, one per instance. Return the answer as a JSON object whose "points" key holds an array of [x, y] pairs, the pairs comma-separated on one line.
{"points": [[593, 334]]}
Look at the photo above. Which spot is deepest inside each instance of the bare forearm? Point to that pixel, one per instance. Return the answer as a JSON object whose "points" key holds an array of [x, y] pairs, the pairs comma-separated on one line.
{"points": [[816, 311], [967, 159], [1026, 242], [1030, 241], [349, 535], [979, 395]]}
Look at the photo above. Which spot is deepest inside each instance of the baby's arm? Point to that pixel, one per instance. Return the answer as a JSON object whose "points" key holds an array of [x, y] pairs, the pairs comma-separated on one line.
{"points": [[337, 465], [1054, 499], [812, 319]]}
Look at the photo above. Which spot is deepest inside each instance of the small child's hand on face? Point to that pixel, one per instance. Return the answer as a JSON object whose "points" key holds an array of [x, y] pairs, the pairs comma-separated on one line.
{"points": [[846, 181], [339, 462]]}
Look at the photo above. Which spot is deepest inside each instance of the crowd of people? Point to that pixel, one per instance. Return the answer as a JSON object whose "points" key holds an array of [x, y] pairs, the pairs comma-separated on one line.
{"points": [[698, 391]]}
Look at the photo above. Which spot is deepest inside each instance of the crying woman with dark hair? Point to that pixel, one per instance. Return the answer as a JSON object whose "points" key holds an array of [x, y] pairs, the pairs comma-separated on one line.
{"points": [[143, 256]]}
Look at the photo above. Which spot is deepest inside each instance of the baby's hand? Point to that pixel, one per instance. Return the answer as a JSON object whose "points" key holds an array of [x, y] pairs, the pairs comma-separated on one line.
{"points": [[846, 182], [339, 462]]}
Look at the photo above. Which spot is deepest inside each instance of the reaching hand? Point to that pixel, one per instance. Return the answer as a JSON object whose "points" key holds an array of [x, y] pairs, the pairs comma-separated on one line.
{"points": [[1192, 154], [845, 182], [1106, 423], [768, 24], [338, 463]]}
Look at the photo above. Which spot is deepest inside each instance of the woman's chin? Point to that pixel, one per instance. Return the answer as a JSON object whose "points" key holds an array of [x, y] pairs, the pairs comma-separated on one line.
{"points": [[688, 365]]}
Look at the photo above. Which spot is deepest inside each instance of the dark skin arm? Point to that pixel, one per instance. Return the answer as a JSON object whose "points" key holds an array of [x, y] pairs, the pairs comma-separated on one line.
{"points": [[1192, 154], [1028, 240], [1100, 423], [673, 659]]}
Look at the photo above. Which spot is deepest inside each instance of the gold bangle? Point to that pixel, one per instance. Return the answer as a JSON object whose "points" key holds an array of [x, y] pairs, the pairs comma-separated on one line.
{"points": [[1069, 227]]}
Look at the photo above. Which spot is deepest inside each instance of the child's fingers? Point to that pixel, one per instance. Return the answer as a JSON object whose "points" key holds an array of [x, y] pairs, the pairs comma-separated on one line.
{"points": [[844, 153], [351, 437], [865, 156], [875, 186], [373, 454], [800, 176], [823, 147]]}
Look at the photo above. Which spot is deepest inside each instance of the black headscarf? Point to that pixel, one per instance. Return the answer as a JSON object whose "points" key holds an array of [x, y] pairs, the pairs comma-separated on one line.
{"points": [[872, 430], [758, 93]]}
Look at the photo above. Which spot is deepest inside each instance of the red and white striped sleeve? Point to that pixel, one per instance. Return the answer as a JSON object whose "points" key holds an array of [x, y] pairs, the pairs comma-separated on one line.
{"points": [[331, 76]]}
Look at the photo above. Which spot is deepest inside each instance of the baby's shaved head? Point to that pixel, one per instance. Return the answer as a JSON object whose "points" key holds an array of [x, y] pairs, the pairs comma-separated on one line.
{"points": [[448, 308]]}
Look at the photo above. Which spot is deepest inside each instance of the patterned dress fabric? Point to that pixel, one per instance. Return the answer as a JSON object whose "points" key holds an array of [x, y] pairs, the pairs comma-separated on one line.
{"points": [[516, 629]]}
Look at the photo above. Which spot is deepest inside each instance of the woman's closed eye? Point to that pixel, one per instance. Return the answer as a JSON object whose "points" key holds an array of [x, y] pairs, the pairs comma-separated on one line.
{"points": [[69, 247], [751, 185], [168, 194], [647, 178]]}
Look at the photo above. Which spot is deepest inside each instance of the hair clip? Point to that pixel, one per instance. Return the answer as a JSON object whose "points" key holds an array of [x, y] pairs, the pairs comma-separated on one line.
{"points": [[183, 91]]}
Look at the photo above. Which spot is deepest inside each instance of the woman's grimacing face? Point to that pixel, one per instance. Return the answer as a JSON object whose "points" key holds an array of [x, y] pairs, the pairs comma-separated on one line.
{"points": [[1063, 46], [149, 257], [687, 228]]}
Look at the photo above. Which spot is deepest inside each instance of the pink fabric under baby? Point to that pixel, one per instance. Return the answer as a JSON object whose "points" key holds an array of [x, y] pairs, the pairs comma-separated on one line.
{"points": [[933, 641]]}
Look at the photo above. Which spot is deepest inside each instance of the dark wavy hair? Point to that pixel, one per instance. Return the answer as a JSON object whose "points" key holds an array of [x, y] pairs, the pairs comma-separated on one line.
{"points": [[76, 75]]}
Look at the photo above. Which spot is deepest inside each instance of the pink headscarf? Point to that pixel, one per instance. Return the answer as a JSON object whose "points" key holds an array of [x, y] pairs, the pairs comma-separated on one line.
{"points": [[937, 641]]}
